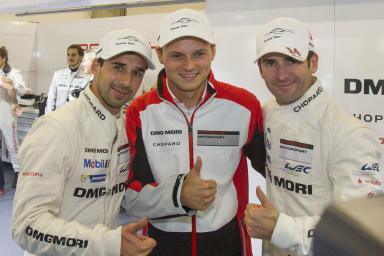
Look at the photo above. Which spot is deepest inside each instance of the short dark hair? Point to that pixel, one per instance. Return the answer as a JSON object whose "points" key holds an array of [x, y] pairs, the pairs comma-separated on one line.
{"points": [[4, 55], [79, 49], [100, 61]]}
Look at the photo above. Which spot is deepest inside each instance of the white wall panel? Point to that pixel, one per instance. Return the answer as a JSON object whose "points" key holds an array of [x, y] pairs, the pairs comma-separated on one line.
{"points": [[359, 48], [20, 40]]}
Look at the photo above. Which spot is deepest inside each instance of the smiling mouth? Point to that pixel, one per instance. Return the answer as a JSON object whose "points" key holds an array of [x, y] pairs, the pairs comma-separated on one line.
{"points": [[121, 92], [285, 84], [189, 76]]}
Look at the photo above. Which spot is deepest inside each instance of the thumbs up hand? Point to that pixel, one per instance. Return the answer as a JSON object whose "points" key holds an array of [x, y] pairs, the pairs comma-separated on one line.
{"points": [[196, 192], [261, 219]]}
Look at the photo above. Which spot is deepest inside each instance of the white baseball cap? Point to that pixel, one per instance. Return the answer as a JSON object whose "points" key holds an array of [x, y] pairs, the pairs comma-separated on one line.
{"points": [[125, 40], [185, 22], [287, 36]]}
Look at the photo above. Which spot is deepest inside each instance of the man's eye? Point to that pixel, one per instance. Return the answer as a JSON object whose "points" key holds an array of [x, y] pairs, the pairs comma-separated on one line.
{"points": [[269, 62], [200, 54], [118, 68], [292, 60], [138, 74], [175, 56]]}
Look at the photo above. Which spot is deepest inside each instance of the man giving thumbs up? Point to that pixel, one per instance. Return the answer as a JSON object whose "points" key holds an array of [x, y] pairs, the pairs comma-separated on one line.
{"points": [[261, 219]]}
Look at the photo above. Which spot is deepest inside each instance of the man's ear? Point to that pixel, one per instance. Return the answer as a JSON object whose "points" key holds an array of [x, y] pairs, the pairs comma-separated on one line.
{"points": [[159, 52], [260, 69], [313, 63], [213, 49], [95, 66]]}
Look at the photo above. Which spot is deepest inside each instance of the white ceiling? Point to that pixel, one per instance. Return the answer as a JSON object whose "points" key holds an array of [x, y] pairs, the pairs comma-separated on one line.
{"points": [[17, 6], [249, 5]]}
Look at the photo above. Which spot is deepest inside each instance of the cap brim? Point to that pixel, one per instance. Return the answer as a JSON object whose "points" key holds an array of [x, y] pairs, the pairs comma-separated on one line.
{"points": [[283, 50], [168, 40], [150, 63]]}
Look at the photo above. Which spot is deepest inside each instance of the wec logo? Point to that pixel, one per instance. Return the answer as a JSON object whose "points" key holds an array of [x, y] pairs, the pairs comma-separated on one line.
{"points": [[298, 168], [373, 167]]}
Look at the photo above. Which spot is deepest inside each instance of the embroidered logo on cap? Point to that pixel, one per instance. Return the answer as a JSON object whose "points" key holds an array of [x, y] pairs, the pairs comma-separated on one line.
{"points": [[127, 40], [276, 33], [294, 52]]}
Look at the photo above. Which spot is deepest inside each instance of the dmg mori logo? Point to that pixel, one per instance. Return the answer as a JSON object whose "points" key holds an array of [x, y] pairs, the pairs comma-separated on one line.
{"points": [[366, 86]]}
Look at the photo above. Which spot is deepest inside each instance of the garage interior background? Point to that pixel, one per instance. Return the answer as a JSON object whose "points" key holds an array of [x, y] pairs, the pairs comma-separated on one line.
{"points": [[348, 36]]}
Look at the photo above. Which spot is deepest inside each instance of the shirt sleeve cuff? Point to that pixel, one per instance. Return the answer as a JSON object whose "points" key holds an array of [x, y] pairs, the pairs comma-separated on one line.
{"points": [[177, 194], [112, 242], [283, 234]]}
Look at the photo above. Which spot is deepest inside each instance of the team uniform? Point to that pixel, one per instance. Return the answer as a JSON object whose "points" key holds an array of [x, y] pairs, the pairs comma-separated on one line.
{"points": [[71, 184], [7, 119], [64, 82], [224, 129], [316, 153]]}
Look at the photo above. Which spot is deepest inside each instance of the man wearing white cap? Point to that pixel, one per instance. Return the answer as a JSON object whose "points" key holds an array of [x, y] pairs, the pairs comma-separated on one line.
{"points": [[189, 142], [75, 163], [316, 152]]}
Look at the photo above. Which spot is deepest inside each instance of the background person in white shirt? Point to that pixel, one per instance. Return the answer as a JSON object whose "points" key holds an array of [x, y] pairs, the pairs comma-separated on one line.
{"points": [[66, 80], [11, 85]]}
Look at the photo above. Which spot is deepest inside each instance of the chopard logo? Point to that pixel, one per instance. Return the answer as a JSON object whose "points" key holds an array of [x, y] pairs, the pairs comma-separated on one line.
{"points": [[308, 100], [95, 109]]}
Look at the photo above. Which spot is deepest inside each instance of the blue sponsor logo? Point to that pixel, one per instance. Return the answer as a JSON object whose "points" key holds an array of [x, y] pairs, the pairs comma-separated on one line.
{"points": [[89, 163], [298, 168], [93, 178]]}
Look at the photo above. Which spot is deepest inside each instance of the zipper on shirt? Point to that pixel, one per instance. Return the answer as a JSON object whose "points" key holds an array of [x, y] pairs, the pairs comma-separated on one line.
{"points": [[191, 159], [110, 171], [243, 236]]}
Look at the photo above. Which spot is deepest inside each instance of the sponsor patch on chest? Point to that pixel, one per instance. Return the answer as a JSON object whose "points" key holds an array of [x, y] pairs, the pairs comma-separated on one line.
{"points": [[93, 178], [218, 138], [296, 151], [123, 154]]}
